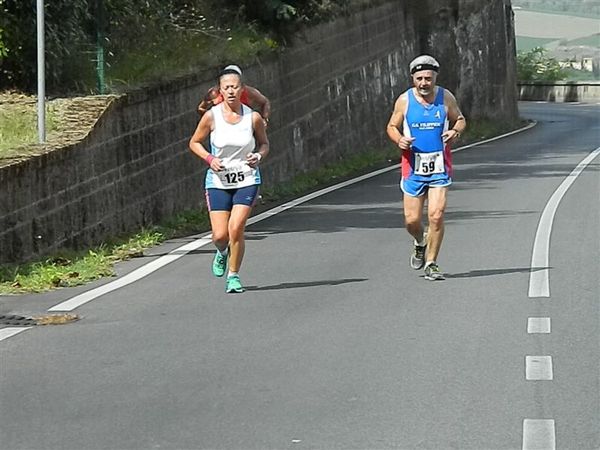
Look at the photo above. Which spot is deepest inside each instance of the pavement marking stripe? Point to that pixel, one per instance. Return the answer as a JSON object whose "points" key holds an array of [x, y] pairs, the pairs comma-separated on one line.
{"points": [[8, 332], [539, 279], [538, 325], [538, 368], [141, 272], [147, 269], [539, 434]]}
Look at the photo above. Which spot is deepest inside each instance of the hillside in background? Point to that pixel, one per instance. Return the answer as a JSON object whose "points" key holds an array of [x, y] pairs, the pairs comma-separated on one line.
{"points": [[571, 38], [583, 8]]}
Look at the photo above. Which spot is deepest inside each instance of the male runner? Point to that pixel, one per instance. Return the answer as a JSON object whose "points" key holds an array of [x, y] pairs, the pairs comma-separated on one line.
{"points": [[425, 121]]}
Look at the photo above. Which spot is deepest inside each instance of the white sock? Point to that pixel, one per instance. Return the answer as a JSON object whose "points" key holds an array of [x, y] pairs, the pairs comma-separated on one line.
{"points": [[232, 274], [422, 243], [224, 252]]}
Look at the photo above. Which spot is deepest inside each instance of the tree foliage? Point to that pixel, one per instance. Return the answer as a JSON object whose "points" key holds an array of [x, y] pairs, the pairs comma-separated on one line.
{"points": [[3, 49], [535, 65], [66, 23], [72, 29]]}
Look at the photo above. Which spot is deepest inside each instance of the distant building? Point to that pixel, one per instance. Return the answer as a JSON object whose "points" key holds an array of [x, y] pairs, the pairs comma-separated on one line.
{"points": [[577, 57]]}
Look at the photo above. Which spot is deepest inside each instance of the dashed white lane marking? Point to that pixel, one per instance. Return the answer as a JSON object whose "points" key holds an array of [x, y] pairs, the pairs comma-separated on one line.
{"points": [[538, 325], [538, 368], [5, 333], [141, 272], [539, 434], [539, 279]]}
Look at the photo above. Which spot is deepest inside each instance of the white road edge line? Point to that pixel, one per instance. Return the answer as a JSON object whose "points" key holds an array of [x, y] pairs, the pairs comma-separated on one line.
{"points": [[539, 434], [5, 333], [539, 278], [174, 255]]}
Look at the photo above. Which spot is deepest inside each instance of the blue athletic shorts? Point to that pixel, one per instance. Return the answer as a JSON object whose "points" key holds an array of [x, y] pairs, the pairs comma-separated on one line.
{"points": [[224, 199], [418, 188]]}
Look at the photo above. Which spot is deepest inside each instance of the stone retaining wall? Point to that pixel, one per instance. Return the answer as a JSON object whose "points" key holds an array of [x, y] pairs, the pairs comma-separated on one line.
{"points": [[332, 93]]}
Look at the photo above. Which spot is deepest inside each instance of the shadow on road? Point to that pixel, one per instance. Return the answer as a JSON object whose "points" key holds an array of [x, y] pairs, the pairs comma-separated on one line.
{"points": [[491, 272], [302, 284]]}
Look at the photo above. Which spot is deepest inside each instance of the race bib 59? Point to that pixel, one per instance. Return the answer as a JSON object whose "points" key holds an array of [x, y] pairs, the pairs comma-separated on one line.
{"points": [[429, 163]]}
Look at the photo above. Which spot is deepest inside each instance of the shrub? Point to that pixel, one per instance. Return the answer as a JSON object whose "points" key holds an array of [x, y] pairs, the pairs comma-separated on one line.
{"points": [[534, 65]]}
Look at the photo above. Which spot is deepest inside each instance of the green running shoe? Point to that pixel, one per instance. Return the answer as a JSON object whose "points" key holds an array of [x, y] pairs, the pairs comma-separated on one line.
{"points": [[234, 285], [219, 264], [433, 273]]}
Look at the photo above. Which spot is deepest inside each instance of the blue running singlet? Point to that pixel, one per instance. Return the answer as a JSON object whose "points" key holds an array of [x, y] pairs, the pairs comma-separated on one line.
{"points": [[429, 161]]}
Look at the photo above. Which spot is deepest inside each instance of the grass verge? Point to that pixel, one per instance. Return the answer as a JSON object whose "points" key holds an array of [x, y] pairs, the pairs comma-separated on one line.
{"points": [[18, 124], [73, 268], [178, 54], [76, 268]]}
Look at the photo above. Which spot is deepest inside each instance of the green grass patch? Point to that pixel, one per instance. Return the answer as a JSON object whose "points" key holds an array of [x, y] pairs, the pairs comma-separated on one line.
{"points": [[18, 125], [478, 130], [591, 41], [68, 269], [579, 75], [76, 268], [565, 14], [527, 43], [182, 53], [330, 174]]}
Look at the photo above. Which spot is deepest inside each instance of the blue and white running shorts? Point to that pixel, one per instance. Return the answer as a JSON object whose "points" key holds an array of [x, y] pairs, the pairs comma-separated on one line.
{"points": [[224, 199], [415, 188]]}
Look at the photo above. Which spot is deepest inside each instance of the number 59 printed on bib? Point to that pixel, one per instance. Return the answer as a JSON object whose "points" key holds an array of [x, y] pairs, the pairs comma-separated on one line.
{"points": [[429, 163]]}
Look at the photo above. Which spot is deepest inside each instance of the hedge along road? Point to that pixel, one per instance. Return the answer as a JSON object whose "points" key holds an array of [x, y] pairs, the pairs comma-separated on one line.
{"points": [[337, 343]]}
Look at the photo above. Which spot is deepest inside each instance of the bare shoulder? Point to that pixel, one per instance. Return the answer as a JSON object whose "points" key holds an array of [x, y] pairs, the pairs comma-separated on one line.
{"points": [[207, 120], [401, 101], [256, 118], [449, 97]]}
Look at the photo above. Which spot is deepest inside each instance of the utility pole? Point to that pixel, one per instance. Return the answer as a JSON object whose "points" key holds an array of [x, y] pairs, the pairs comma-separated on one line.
{"points": [[41, 74], [100, 47]]}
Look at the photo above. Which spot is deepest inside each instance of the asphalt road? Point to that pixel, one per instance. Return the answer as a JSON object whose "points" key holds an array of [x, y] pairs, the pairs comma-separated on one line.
{"points": [[338, 344]]}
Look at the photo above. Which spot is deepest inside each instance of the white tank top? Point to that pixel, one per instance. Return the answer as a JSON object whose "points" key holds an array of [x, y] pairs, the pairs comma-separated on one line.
{"points": [[231, 143]]}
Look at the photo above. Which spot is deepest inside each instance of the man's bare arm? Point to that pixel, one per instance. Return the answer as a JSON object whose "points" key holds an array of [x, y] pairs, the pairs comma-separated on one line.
{"points": [[457, 121], [395, 124], [207, 101], [262, 103]]}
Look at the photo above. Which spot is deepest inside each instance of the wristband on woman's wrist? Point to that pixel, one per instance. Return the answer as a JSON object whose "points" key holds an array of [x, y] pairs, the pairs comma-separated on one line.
{"points": [[209, 159]]}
